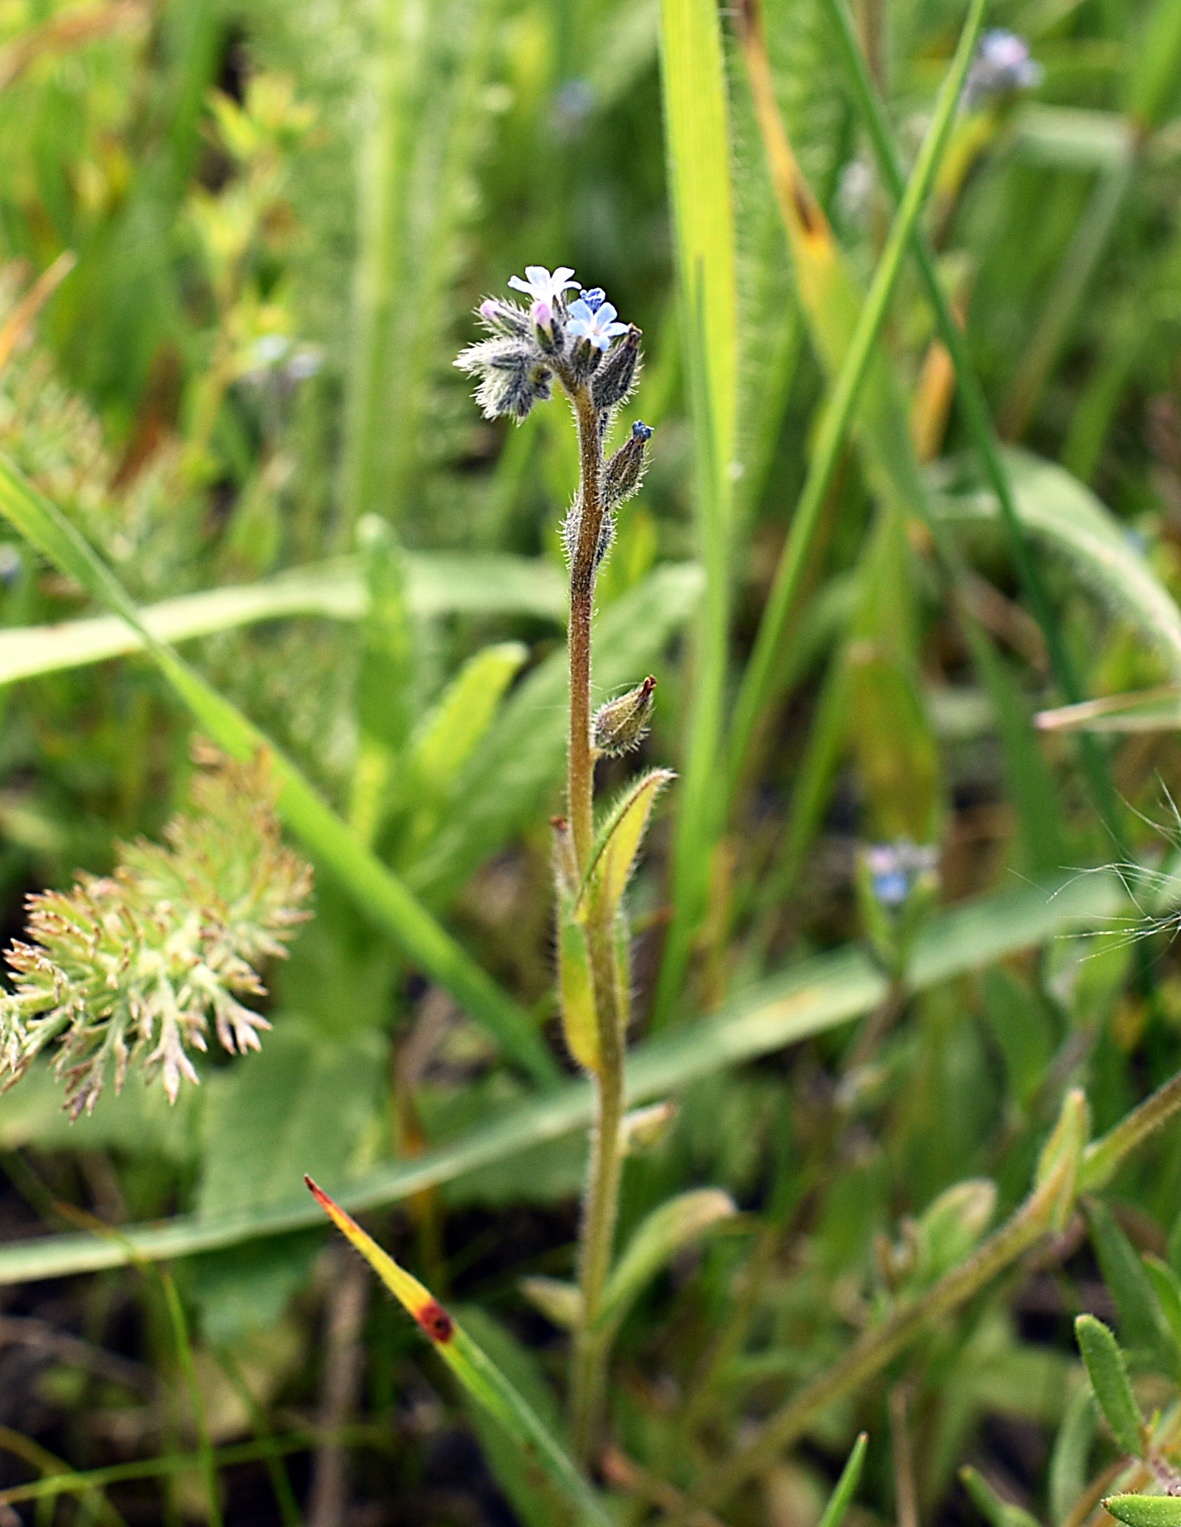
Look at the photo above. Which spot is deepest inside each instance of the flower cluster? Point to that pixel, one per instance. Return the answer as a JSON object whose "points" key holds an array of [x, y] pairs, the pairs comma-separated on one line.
{"points": [[1001, 67], [557, 336], [896, 868], [131, 967]]}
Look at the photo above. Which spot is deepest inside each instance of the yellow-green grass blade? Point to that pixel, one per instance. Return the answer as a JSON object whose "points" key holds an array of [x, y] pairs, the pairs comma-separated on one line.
{"points": [[474, 1369], [817, 995], [378, 892], [846, 333], [436, 584], [698, 149]]}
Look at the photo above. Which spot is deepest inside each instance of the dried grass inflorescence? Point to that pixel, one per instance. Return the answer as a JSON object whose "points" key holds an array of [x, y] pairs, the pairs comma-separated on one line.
{"points": [[131, 968]]}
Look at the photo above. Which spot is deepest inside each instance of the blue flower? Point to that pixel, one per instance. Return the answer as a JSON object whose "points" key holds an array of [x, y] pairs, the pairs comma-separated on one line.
{"points": [[895, 867], [541, 285], [1002, 65], [595, 324], [594, 297]]}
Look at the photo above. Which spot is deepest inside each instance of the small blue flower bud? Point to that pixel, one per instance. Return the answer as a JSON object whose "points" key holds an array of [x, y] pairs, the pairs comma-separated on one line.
{"points": [[625, 470], [594, 298]]}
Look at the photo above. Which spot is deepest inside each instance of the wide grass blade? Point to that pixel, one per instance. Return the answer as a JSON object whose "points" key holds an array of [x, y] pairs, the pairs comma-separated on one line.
{"points": [[698, 147], [814, 996], [480, 1377], [378, 892], [439, 584]]}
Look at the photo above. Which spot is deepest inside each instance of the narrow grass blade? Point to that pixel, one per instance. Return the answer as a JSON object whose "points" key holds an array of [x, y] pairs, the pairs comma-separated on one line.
{"points": [[698, 148], [1061, 305], [812, 997], [1060, 512], [380, 893], [184, 1353], [974, 403], [846, 1487], [480, 1377], [818, 265]]}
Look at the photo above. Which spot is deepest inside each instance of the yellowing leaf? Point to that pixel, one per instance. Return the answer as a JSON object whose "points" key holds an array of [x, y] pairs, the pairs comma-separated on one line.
{"points": [[620, 840], [474, 1369], [576, 992]]}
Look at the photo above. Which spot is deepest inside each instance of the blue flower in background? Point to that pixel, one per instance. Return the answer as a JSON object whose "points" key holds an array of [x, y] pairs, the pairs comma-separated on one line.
{"points": [[595, 324], [594, 297], [895, 867], [1002, 65]]}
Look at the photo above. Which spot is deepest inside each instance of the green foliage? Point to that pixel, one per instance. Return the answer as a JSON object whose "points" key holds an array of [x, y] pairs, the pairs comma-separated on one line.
{"points": [[1109, 1379]]}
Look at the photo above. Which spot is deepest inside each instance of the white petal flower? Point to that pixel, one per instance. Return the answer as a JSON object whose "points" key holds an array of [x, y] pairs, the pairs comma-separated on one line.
{"points": [[541, 286], [596, 325]]}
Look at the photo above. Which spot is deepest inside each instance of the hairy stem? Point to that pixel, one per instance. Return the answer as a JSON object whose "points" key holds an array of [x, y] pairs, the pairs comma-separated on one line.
{"points": [[580, 760], [602, 1189]]}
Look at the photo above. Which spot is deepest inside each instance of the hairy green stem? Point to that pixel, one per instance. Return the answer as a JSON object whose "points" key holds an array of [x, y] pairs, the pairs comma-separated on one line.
{"points": [[867, 1357], [602, 1189]]}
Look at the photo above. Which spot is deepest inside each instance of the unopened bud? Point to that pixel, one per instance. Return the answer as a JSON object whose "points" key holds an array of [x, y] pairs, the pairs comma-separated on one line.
{"points": [[617, 374], [625, 470], [643, 1128], [544, 326], [622, 724]]}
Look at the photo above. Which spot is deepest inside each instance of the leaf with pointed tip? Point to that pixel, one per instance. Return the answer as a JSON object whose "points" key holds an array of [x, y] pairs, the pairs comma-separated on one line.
{"points": [[666, 1231], [1001, 1513], [846, 1487], [471, 1366], [619, 842], [1142, 1322]]}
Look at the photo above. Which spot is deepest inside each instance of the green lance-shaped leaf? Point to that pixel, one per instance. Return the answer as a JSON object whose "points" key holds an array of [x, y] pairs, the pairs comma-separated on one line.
{"points": [[1145, 1510], [1142, 1321], [1166, 1285], [559, 1301], [453, 727], [1109, 1379], [471, 1366], [666, 1231], [447, 735], [846, 1487], [385, 685], [1062, 1154], [952, 1224], [619, 842], [1001, 1513]]}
